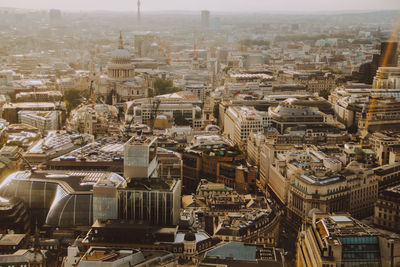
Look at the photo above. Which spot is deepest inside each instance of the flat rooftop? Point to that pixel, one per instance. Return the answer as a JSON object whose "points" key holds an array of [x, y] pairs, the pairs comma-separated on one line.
{"points": [[102, 254], [151, 184], [141, 140], [11, 239], [107, 149]]}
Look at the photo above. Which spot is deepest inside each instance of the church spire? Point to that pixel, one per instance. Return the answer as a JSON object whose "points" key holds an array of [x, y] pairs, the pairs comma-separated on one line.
{"points": [[36, 242], [121, 42]]}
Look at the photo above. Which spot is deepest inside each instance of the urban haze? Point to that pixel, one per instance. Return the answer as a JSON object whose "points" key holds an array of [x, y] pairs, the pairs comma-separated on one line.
{"points": [[199, 133]]}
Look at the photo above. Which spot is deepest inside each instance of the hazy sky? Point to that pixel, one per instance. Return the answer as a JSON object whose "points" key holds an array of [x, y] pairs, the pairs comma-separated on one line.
{"points": [[213, 5]]}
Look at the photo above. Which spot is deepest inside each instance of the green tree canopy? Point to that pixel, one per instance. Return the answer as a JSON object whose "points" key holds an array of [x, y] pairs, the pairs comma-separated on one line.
{"points": [[164, 86], [72, 98]]}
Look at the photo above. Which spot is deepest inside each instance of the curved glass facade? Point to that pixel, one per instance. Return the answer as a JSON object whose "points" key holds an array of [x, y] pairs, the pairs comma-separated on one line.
{"points": [[59, 199], [71, 210], [36, 194]]}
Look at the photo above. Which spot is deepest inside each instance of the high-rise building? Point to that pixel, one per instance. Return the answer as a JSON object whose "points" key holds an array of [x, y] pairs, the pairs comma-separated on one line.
{"points": [[388, 57], [140, 157], [138, 13], [240, 121], [147, 198], [54, 16], [205, 18]]}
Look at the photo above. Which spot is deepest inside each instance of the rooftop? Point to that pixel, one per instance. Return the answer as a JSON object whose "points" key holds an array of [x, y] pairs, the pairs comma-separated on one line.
{"points": [[105, 149], [151, 184], [11, 239], [142, 140], [101, 254]]}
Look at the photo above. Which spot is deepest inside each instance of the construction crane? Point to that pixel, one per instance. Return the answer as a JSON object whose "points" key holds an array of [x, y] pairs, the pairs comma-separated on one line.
{"points": [[194, 46], [92, 95], [28, 164], [169, 56], [153, 113]]}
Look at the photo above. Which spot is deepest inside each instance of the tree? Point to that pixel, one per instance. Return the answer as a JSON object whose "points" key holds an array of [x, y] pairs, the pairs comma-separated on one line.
{"points": [[324, 93], [216, 110], [72, 98], [164, 86], [250, 42]]}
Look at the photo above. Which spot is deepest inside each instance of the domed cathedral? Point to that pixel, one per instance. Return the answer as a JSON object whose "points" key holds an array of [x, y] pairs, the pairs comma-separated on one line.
{"points": [[120, 83]]}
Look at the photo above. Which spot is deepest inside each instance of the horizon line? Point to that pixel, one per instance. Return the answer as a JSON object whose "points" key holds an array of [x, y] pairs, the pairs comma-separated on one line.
{"points": [[277, 11]]}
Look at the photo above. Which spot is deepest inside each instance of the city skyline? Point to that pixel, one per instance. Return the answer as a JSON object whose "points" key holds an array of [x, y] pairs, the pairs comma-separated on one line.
{"points": [[199, 133], [236, 6]]}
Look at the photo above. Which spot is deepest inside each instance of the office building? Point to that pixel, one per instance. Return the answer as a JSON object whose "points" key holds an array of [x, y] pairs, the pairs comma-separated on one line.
{"points": [[140, 157], [105, 154], [368, 113], [14, 216], [178, 114], [336, 239], [382, 144], [387, 78], [43, 120], [387, 175], [205, 19], [11, 110], [288, 114], [152, 201], [61, 199], [202, 160], [119, 257], [388, 57], [241, 254], [55, 144], [239, 122], [387, 209]]}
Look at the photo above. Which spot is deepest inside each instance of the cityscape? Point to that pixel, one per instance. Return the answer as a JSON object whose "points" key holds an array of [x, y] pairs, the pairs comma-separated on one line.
{"points": [[190, 133]]}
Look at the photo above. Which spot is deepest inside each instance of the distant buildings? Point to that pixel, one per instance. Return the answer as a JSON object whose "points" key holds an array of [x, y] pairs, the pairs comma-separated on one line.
{"points": [[146, 45], [54, 16], [205, 19], [313, 80]]}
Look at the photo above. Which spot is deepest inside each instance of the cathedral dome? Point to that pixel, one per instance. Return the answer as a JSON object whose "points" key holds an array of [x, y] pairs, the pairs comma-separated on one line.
{"points": [[121, 54]]}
